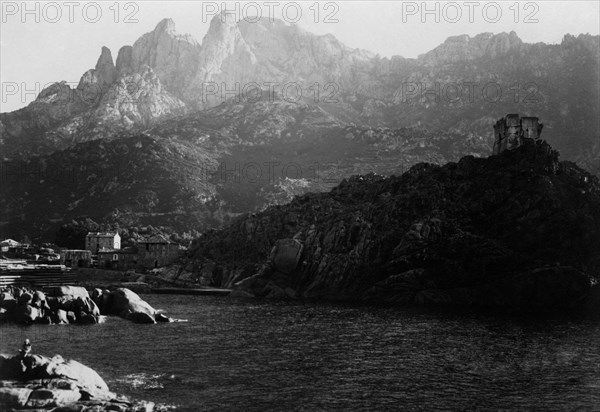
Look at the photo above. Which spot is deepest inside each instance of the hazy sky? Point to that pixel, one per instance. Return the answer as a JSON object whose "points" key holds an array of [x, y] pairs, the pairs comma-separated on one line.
{"points": [[66, 39]]}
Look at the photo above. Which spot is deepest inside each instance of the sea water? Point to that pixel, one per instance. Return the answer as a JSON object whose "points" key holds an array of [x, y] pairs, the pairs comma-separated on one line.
{"points": [[260, 355]]}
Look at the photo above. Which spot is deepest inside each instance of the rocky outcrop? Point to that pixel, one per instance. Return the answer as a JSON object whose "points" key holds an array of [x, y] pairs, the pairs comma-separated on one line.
{"points": [[36, 382], [517, 230], [465, 48], [126, 304], [105, 68], [58, 305], [72, 304], [124, 64]]}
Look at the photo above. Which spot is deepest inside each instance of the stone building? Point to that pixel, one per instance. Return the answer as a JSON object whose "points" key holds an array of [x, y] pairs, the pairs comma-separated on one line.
{"points": [[157, 251], [8, 244], [118, 259], [76, 258], [510, 131], [95, 241]]}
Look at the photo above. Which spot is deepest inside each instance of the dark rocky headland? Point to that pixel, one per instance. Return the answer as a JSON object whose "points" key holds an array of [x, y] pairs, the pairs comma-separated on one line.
{"points": [[517, 230]]}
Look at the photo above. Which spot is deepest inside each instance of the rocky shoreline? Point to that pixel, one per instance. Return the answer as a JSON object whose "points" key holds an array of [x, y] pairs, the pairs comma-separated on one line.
{"points": [[74, 304], [31, 382]]}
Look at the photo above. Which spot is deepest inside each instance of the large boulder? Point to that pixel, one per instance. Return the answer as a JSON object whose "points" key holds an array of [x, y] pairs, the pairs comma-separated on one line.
{"points": [[124, 302], [13, 397], [86, 305], [87, 379], [59, 317], [10, 368], [50, 398], [26, 314], [74, 291], [7, 300], [141, 317], [59, 385]]}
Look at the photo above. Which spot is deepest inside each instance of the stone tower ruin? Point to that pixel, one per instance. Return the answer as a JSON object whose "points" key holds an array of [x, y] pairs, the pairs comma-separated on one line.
{"points": [[511, 130]]}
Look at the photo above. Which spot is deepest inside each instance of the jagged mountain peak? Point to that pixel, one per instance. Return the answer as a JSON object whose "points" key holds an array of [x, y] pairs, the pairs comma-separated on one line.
{"points": [[165, 25], [464, 47], [223, 28], [105, 68]]}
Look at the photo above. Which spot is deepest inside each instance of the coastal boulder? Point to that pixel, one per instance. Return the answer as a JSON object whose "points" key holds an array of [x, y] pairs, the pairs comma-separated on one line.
{"points": [[10, 368], [49, 398], [59, 317], [73, 291], [87, 305], [26, 314], [14, 397], [124, 302], [86, 378], [141, 317], [58, 385], [7, 300]]}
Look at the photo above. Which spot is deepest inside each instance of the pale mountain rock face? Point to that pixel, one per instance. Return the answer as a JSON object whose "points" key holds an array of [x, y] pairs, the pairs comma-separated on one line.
{"points": [[225, 61], [173, 57], [139, 98], [124, 61], [464, 48], [105, 68]]}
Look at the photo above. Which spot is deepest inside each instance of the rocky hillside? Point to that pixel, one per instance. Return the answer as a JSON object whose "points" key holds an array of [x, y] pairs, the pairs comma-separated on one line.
{"points": [[199, 170], [136, 180], [518, 229]]}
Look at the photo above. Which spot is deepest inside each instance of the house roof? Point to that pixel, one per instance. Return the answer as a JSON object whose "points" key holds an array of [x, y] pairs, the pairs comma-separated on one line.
{"points": [[9, 242], [102, 234], [126, 251]]}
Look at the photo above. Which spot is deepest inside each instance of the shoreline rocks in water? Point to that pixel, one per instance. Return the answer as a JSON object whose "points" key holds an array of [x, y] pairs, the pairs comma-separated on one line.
{"points": [[73, 304], [40, 383]]}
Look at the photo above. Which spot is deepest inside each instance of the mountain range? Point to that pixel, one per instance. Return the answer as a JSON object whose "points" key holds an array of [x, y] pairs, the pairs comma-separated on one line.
{"points": [[183, 134]]}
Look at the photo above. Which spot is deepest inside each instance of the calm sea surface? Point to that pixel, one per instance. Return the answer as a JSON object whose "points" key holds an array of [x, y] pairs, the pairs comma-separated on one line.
{"points": [[246, 355]]}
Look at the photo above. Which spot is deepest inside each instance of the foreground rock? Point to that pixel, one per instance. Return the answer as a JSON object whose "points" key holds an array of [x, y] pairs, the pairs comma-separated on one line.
{"points": [[36, 382], [73, 304], [518, 230]]}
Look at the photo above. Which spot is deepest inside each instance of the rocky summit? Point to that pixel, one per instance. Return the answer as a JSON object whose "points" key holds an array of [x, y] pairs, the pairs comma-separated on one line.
{"points": [[519, 229]]}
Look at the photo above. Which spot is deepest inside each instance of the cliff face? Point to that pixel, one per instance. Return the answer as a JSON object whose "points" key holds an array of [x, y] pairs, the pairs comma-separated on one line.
{"points": [[518, 229]]}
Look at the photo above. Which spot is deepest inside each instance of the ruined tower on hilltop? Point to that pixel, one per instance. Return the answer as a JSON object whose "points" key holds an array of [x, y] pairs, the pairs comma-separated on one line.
{"points": [[511, 130]]}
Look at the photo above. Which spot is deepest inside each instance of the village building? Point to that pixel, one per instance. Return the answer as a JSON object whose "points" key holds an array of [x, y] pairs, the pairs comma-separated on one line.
{"points": [[511, 130], [118, 259], [76, 258], [8, 244], [157, 251], [94, 241]]}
